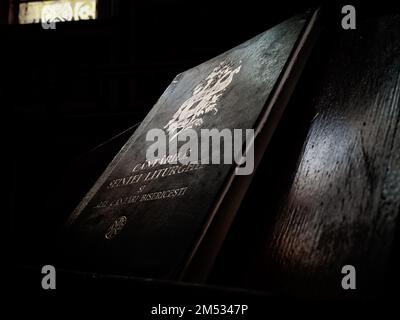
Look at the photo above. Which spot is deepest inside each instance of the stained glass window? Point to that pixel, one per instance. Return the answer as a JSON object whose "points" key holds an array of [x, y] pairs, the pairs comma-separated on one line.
{"points": [[56, 11]]}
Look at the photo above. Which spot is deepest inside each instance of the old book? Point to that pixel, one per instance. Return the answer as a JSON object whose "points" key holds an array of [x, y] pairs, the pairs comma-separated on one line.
{"points": [[167, 221]]}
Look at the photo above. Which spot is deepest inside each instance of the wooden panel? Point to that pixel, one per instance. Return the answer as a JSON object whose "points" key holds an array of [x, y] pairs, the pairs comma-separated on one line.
{"points": [[345, 197]]}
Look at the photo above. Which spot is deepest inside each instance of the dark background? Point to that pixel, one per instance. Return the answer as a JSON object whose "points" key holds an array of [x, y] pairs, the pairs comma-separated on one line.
{"points": [[72, 96]]}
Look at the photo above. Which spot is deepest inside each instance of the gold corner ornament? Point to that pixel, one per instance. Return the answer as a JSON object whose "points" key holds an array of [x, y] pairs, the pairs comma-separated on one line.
{"points": [[116, 227]]}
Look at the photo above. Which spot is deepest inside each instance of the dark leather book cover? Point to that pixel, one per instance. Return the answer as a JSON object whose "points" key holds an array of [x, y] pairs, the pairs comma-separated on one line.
{"points": [[167, 221]]}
